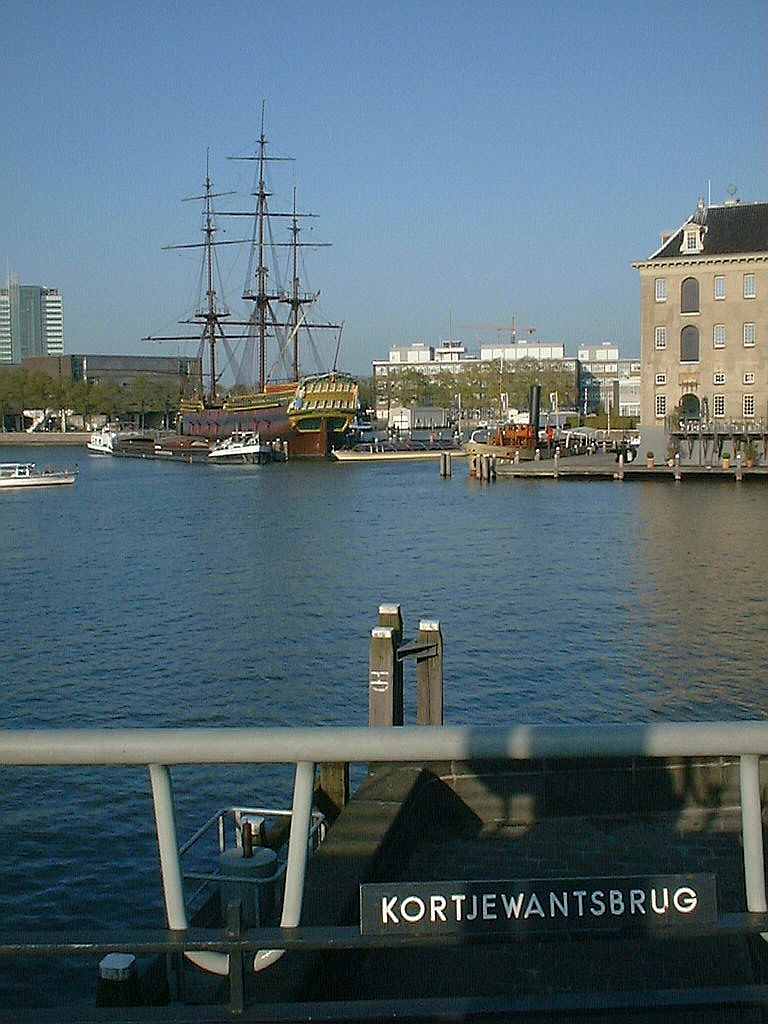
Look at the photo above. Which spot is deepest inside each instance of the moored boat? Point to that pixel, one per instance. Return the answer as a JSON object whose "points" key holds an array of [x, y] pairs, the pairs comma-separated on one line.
{"points": [[26, 474], [507, 441], [247, 446], [385, 451], [102, 442], [513, 441]]}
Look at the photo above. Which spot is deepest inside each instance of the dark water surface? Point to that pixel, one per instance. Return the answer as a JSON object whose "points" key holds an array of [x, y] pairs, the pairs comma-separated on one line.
{"points": [[155, 594]]}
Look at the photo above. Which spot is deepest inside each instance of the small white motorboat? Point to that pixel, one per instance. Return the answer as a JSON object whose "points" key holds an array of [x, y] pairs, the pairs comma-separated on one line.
{"points": [[26, 474], [102, 442], [247, 446]]}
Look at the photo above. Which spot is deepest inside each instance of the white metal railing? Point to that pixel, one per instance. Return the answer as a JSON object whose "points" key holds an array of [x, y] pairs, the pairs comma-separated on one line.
{"points": [[159, 749]]}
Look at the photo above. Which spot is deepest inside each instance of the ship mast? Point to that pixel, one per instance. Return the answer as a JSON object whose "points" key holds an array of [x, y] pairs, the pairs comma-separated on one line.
{"points": [[265, 318], [210, 314]]}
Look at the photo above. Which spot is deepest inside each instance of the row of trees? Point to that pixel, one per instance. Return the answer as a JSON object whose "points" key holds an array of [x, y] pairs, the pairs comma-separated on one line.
{"points": [[478, 386], [21, 389]]}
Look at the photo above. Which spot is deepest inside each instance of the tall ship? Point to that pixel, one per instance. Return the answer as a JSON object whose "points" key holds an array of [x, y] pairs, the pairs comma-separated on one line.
{"points": [[311, 412]]}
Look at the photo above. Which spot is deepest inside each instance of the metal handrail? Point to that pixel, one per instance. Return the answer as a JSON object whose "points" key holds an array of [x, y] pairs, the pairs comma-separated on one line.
{"points": [[160, 748]]}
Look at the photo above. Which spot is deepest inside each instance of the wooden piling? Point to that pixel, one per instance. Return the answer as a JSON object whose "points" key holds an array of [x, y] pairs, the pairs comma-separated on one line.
{"points": [[332, 789], [385, 673], [429, 676], [391, 615]]}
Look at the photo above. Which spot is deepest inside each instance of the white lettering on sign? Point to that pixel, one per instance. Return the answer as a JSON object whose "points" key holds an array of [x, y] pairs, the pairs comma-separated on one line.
{"points": [[563, 904]]}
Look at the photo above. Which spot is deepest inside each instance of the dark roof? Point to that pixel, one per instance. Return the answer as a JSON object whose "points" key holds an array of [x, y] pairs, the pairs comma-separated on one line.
{"points": [[734, 228]]}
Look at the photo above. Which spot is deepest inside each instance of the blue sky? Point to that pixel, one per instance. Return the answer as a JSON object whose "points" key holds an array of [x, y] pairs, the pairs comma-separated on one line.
{"points": [[469, 162]]}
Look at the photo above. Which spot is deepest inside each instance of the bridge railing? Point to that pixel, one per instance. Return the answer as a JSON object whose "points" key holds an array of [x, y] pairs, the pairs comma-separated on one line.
{"points": [[161, 749]]}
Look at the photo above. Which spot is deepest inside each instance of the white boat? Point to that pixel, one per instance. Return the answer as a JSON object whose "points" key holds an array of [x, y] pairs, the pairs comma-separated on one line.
{"points": [[102, 442], [26, 474], [380, 451], [247, 446]]}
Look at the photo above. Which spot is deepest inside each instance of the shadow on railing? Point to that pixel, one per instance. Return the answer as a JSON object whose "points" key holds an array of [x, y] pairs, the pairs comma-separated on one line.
{"points": [[161, 749]]}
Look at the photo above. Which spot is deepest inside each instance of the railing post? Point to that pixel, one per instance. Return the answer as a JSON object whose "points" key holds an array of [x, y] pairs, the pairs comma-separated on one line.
{"points": [[296, 865], [752, 833], [168, 847], [170, 866], [234, 919], [429, 676]]}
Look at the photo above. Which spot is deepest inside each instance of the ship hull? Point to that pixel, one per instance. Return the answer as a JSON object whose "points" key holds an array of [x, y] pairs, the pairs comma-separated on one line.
{"points": [[312, 416], [271, 424]]}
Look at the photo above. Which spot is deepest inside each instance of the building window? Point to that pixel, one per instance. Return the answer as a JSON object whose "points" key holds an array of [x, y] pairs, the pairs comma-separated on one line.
{"points": [[661, 378], [661, 289], [719, 286], [718, 336], [689, 345], [748, 406], [750, 335], [749, 378], [660, 337], [750, 286], [718, 405], [718, 377], [691, 240], [661, 405], [689, 295]]}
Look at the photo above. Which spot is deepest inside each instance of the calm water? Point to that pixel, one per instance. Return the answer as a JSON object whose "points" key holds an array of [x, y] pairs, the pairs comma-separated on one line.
{"points": [[170, 595]]}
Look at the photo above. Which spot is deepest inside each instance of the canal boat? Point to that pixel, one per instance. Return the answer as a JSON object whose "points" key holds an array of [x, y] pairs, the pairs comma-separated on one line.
{"points": [[385, 451], [246, 446], [507, 441], [312, 413], [515, 442], [102, 442], [26, 474]]}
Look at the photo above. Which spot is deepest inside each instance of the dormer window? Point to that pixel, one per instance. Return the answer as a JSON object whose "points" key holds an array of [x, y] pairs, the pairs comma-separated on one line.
{"points": [[692, 239]]}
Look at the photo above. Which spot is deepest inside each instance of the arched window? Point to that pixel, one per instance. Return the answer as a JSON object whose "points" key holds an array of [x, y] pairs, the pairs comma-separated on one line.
{"points": [[689, 345], [689, 295], [689, 407]]}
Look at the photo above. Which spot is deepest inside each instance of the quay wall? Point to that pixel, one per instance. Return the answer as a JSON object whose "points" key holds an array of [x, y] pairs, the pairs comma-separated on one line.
{"points": [[11, 438]]}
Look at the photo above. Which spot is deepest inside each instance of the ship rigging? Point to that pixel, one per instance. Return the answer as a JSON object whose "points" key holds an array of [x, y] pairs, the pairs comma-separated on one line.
{"points": [[316, 409]]}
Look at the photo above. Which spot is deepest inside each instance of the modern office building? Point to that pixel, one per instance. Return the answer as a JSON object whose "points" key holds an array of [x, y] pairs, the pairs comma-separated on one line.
{"points": [[31, 321], [452, 357], [182, 371], [704, 318], [607, 381]]}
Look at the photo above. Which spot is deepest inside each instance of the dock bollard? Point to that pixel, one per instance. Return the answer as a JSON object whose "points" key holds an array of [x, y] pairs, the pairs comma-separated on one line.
{"points": [[118, 981], [257, 900], [445, 464]]}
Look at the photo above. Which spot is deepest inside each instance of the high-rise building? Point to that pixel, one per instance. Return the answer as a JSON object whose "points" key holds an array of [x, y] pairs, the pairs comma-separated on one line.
{"points": [[31, 321]]}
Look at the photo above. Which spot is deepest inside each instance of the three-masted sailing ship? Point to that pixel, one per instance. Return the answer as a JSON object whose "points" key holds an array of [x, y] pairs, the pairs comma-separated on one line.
{"points": [[311, 412]]}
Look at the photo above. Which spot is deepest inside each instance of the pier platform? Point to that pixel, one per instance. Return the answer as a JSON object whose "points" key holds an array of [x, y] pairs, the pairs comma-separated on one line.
{"points": [[605, 467], [549, 820]]}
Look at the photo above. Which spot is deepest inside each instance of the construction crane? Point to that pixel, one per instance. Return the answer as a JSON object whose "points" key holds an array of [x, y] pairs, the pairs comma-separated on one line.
{"points": [[494, 327], [500, 327]]}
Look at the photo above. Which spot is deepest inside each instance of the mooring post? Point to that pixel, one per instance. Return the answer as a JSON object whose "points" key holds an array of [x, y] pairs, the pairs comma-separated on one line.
{"points": [[429, 675], [391, 615], [332, 789], [385, 697]]}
